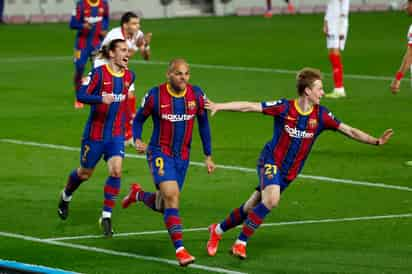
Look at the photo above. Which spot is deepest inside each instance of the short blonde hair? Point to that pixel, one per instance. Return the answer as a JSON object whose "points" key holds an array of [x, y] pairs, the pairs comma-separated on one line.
{"points": [[306, 77]]}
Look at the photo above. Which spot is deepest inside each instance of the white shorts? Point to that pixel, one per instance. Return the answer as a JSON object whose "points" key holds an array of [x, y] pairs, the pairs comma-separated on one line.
{"points": [[98, 62], [333, 42], [332, 39]]}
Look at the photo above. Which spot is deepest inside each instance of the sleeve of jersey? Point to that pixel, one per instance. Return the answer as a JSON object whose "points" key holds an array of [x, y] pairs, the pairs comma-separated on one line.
{"points": [[89, 89], [328, 120], [76, 21], [144, 111], [204, 127], [105, 23], [273, 108]]}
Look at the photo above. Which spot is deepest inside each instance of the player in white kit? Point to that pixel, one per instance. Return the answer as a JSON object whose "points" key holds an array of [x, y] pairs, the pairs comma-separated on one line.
{"points": [[406, 61], [335, 27], [136, 41], [407, 58]]}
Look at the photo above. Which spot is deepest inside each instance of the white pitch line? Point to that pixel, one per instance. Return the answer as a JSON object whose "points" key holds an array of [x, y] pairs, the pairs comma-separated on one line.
{"points": [[200, 66], [303, 222], [227, 167], [115, 253]]}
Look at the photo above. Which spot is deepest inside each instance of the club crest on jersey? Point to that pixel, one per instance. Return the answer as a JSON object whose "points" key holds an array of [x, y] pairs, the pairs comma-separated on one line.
{"points": [[101, 10], [312, 123], [127, 84], [191, 105]]}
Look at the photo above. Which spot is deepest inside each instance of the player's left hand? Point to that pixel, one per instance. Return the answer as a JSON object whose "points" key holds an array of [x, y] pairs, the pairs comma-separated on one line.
{"points": [[385, 136], [210, 165]]}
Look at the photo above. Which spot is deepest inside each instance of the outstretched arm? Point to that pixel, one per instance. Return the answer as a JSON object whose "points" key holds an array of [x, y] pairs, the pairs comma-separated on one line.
{"points": [[363, 137], [233, 106], [405, 65]]}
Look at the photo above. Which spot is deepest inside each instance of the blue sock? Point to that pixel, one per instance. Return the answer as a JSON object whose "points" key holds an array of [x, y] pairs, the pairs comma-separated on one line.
{"points": [[254, 220], [174, 226], [111, 190]]}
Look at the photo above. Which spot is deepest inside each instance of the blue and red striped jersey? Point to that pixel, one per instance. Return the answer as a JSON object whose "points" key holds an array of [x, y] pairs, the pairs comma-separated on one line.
{"points": [[173, 119], [294, 133], [95, 14], [105, 121]]}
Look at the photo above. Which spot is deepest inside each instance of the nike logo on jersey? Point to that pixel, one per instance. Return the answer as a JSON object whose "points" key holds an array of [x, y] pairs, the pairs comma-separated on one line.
{"points": [[107, 83], [290, 118], [164, 106]]}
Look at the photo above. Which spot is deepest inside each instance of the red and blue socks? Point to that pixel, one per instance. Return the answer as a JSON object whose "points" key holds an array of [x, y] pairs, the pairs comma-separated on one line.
{"points": [[174, 226], [111, 190], [235, 218], [148, 198], [253, 221], [73, 182]]}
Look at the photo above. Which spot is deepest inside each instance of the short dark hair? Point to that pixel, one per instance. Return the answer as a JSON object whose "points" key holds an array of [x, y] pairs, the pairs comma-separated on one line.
{"points": [[110, 47], [127, 16], [306, 77]]}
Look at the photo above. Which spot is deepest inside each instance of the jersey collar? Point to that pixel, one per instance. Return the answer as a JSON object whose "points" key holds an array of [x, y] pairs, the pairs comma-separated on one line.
{"points": [[300, 111], [173, 93], [115, 74], [93, 4]]}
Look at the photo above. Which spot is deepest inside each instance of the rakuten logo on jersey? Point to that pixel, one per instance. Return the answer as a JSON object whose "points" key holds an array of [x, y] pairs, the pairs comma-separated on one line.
{"points": [[177, 117], [93, 19], [117, 97], [296, 133]]}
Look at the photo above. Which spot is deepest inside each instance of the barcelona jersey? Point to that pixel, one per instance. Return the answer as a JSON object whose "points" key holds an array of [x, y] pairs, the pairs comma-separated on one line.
{"points": [[97, 15], [105, 122], [173, 118], [294, 133]]}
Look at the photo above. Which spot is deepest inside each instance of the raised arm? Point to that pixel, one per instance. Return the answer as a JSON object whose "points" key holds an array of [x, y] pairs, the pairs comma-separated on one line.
{"points": [[364, 137], [233, 106]]}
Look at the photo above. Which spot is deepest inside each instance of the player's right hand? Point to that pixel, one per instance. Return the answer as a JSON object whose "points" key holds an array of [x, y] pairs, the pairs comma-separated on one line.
{"points": [[108, 99], [140, 146], [395, 86]]}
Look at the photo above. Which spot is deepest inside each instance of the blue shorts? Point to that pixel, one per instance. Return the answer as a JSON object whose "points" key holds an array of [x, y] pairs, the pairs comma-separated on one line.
{"points": [[269, 174], [92, 151], [166, 168], [81, 56]]}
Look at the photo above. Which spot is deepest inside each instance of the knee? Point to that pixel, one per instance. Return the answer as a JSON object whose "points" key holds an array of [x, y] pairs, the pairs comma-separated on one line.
{"points": [[84, 174], [171, 198], [116, 172], [271, 202]]}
